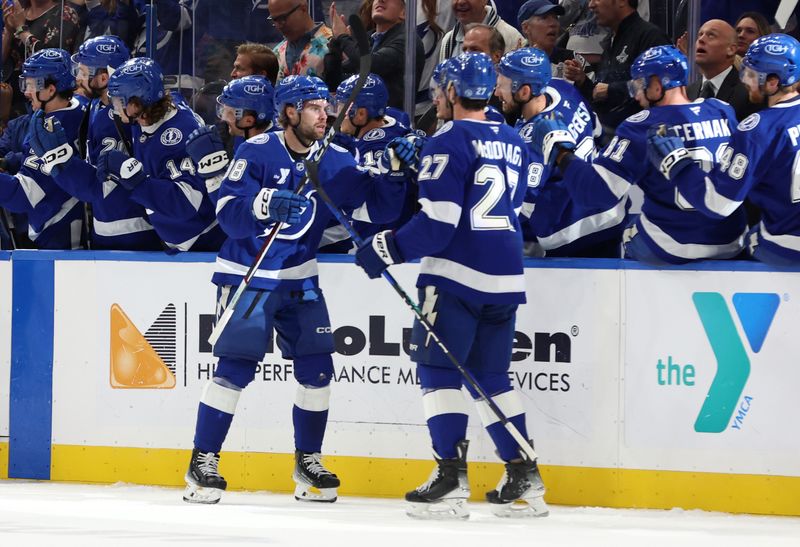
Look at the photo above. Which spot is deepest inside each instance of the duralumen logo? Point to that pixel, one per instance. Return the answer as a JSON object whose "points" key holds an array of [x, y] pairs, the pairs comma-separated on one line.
{"points": [[756, 312]]}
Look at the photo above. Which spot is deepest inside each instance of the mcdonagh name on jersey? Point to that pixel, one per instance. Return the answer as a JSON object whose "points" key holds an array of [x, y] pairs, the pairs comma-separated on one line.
{"points": [[496, 150]]}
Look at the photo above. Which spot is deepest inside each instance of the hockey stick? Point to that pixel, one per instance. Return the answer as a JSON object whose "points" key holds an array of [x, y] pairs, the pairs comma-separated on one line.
{"points": [[311, 171], [360, 35], [6, 225]]}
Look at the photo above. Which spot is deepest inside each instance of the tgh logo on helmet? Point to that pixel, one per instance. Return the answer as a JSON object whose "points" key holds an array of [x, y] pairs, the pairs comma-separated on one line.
{"points": [[532, 60], [51, 54], [106, 48], [776, 49], [651, 53], [132, 69], [254, 89]]}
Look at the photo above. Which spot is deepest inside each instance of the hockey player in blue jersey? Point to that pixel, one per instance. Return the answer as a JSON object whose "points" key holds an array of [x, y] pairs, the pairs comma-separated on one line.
{"points": [[160, 175], [472, 180], [256, 193], [55, 218], [559, 225], [669, 230], [761, 160], [246, 107], [119, 222]]}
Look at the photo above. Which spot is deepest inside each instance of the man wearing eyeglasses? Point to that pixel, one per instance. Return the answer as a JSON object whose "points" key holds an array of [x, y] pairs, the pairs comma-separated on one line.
{"points": [[305, 42]]}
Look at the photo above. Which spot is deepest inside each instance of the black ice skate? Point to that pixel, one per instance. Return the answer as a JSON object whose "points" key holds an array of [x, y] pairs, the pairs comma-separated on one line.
{"points": [[314, 482], [520, 492], [204, 484], [444, 495]]}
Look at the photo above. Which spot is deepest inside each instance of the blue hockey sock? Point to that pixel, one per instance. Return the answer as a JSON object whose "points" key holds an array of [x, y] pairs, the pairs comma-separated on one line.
{"points": [[310, 417], [509, 403], [446, 431], [214, 416]]}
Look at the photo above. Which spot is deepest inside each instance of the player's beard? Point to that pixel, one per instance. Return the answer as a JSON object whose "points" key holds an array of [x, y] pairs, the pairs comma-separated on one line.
{"points": [[308, 132]]}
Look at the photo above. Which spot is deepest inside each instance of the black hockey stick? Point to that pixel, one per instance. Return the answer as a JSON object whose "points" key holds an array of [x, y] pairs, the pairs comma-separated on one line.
{"points": [[523, 443], [360, 35], [6, 225], [427, 119]]}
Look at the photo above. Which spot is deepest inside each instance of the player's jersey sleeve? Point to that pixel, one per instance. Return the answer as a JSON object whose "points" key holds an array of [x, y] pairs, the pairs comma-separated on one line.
{"points": [[606, 180], [239, 188], [19, 193], [370, 196], [719, 193], [442, 175]]}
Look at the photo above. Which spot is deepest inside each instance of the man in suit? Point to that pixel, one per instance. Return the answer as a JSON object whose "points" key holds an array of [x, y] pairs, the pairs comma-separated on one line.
{"points": [[714, 54]]}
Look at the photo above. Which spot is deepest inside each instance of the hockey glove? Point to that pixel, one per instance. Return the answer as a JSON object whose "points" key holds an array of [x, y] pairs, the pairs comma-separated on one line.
{"points": [[402, 153], [119, 167], [12, 162], [49, 142], [665, 152], [279, 206], [207, 151], [550, 136], [378, 253]]}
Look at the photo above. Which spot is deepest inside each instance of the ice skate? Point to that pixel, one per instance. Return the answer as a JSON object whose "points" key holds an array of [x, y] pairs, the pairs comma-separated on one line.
{"points": [[314, 482], [204, 484], [444, 495], [520, 492]]}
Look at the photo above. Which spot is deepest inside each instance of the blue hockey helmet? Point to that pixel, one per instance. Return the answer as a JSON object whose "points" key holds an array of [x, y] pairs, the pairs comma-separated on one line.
{"points": [[248, 93], [527, 66], [139, 77], [294, 91], [777, 54], [373, 96], [665, 62], [438, 77], [101, 52], [53, 65], [322, 87], [472, 75]]}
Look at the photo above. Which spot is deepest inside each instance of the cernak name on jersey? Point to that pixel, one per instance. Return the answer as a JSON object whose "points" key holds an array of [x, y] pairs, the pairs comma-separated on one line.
{"points": [[706, 129], [496, 150]]}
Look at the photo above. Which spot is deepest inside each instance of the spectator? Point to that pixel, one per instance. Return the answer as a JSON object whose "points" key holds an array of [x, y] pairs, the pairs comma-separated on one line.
{"points": [[115, 17], [629, 37], [715, 51], [41, 24], [388, 49], [305, 42], [749, 26], [539, 22], [433, 16], [255, 60], [476, 11], [729, 11], [480, 38]]}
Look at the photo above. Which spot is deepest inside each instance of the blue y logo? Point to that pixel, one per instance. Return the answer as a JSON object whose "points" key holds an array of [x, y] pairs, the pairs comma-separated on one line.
{"points": [[755, 311]]}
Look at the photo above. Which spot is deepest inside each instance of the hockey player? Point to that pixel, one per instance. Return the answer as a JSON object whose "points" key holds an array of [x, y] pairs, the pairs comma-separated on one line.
{"points": [[246, 106], [669, 230], [472, 180], [55, 218], [284, 293], [119, 222], [559, 226], [761, 161], [160, 175], [444, 111]]}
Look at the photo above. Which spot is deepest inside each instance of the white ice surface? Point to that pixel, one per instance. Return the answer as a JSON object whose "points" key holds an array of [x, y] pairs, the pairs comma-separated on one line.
{"points": [[42, 513]]}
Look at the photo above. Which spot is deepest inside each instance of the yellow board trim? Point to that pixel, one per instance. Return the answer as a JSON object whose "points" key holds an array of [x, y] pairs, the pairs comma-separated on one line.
{"points": [[3, 459], [381, 477]]}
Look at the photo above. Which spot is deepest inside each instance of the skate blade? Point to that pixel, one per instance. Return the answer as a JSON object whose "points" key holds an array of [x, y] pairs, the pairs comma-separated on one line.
{"points": [[304, 492], [200, 494], [447, 509], [523, 508]]}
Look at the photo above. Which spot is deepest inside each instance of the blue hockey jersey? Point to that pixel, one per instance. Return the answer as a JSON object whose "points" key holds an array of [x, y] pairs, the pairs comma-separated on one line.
{"points": [[55, 219], [119, 222], [264, 161], [672, 229], [473, 178], [562, 226], [173, 195], [761, 164]]}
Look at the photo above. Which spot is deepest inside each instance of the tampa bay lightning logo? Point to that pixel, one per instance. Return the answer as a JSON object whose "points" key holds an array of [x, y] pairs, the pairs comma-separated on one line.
{"points": [[444, 129], [532, 60], [776, 49], [750, 122], [651, 53], [171, 136], [259, 139], [375, 135], [638, 117], [526, 132]]}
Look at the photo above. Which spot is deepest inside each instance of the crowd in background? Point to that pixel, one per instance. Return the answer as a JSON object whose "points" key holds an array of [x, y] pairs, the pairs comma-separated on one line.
{"points": [[201, 44]]}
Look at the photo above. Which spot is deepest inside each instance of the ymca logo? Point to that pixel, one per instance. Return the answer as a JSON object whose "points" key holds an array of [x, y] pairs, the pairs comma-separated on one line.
{"points": [[755, 312], [140, 361]]}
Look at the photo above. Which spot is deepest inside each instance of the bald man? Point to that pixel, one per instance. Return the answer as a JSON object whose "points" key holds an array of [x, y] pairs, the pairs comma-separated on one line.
{"points": [[714, 53]]}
